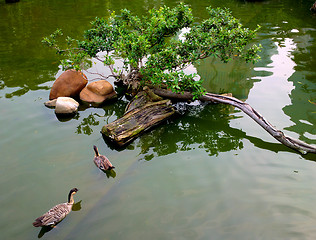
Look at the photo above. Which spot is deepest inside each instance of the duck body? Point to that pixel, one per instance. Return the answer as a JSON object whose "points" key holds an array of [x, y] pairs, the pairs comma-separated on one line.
{"points": [[101, 161], [56, 213]]}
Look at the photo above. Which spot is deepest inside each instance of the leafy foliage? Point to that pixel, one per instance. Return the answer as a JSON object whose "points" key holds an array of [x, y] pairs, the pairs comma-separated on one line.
{"points": [[149, 46]]}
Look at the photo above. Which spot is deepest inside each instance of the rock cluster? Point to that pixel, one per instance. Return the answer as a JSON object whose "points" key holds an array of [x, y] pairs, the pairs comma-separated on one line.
{"points": [[73, 84]]}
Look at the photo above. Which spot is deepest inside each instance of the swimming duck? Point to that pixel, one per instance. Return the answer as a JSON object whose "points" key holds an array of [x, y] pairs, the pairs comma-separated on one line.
{"points": [[57, 213], [102, 161]]}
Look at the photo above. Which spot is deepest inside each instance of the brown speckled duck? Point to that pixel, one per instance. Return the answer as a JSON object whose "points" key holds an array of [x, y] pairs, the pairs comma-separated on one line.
{"points": [[57, 213], [101, 161]]}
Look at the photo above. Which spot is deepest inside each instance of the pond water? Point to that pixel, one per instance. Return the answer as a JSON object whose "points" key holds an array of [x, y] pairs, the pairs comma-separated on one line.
{"points": [[212, 173]]}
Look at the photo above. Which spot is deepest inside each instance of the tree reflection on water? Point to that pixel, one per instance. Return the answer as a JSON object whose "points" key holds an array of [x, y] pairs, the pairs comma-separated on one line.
{"points": [[84, 126], [205, 127]]}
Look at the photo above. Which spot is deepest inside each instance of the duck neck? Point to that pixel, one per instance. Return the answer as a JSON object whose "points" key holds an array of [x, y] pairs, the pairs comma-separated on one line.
{"points": [[71, 198], [96, 151]]}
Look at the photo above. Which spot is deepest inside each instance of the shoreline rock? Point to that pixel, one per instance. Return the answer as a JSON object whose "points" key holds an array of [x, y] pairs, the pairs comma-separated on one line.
{"points": [[68, 84], [97, 92], [66, 106]]}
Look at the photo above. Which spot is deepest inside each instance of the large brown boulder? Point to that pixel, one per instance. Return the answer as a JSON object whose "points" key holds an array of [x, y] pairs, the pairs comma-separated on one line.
{"points": [[97, 92], [68, 84]]}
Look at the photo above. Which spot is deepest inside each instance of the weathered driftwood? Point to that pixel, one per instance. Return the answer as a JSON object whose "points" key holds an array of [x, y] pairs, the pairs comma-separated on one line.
{"points": [[142, 98], [137, 120], [296, 144]]}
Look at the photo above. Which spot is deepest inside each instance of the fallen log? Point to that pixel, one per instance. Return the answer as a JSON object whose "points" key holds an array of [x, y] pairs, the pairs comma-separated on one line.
{"points": [[142, 98], [290, 142], [136, 121]]}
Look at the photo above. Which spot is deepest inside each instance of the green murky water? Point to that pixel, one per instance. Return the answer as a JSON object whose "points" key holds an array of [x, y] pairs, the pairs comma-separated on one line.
{"points": [[211, 174]]}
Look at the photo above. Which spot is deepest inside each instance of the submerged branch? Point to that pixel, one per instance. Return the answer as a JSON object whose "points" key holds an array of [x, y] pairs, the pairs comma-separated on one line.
{"points": [[290, 142]]}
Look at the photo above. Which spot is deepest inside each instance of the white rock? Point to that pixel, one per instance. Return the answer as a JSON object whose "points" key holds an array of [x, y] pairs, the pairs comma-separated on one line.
{"points": [[66, 105]]}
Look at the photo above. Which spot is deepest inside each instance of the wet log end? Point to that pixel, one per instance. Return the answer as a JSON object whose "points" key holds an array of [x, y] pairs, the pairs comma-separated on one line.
{"points": [[137, 121]]}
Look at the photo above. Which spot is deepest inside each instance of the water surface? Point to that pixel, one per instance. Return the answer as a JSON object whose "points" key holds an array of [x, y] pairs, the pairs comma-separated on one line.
{"points": [[212, 173]]}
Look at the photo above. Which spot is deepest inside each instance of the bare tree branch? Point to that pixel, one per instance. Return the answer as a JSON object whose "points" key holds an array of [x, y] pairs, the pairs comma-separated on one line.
{"points": [[290, 142]]}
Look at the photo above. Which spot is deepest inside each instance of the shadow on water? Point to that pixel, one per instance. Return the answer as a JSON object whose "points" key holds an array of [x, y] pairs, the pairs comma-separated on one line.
{"points": [[67, 117], [44, 230], [110, 173], [76, 206]]}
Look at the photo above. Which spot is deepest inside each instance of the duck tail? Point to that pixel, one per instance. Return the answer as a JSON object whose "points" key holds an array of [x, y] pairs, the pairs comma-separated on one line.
{"points": [[38, 222], [96, 150]]}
